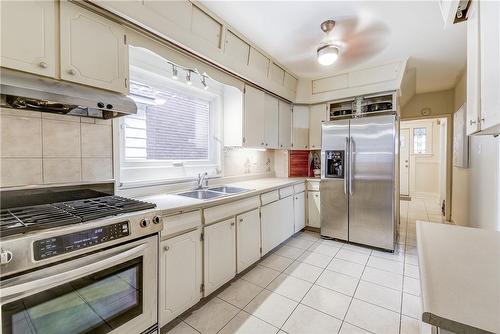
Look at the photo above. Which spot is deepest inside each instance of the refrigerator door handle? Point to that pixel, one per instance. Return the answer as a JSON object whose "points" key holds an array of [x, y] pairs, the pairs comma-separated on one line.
{"points": [[346, 170], [351, 165]]}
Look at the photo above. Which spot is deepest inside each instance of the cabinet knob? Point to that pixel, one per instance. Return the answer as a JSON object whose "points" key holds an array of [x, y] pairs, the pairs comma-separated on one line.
{"points": [[241, 220], [262, 143], [305, 146], [232, 224], [267, 144], [43, 64], [72, 72], [166, 248], [472, 122], [281, 145], [482, 119]]}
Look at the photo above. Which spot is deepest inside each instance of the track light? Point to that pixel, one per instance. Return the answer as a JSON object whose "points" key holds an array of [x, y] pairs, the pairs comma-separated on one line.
{"points": [[174, 72], [188, 78], [204, 82]]}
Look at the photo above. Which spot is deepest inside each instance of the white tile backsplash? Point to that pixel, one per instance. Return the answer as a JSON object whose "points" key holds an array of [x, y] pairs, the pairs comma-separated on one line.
{"points": [[43, 148]]}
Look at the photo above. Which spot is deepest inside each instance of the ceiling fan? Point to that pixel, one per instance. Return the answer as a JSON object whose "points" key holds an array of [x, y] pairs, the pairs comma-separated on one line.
{"points": [[351, 41]]}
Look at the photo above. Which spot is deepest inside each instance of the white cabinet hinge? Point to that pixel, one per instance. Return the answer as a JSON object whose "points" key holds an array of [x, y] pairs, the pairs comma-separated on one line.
{"points": [[202, 236], [125, 39], [202, 288], [260, 214]]}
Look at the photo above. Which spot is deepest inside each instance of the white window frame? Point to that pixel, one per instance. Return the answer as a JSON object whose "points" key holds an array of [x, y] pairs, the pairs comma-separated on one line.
{"points": [[155, 172]]}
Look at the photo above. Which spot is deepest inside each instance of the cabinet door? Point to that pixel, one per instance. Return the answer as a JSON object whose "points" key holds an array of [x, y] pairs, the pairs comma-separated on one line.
{"points": [[286, 219], [271, 122], [300, 127], [254, 116], [285, 125], [473, 91], [28, 36], [180, 275], [93, 49], [247, 239], [220, 254], [313, 207], [299, 209], [270, 226], [489, 43], [317, 115]]}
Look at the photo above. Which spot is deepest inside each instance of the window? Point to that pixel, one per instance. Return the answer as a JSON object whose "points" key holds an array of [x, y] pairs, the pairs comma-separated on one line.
{"points": [[175, 134], [420, 140]]}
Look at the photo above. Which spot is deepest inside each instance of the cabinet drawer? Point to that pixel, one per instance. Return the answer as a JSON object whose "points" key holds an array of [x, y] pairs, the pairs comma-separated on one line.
{"points": [[285, 192], [313, 185], [298, 188], [218, 213], [269, 197], [179, 223]]}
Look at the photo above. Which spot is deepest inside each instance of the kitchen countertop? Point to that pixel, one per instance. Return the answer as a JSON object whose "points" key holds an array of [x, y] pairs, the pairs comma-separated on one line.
{"points": [[460, 277], [172, 203]]}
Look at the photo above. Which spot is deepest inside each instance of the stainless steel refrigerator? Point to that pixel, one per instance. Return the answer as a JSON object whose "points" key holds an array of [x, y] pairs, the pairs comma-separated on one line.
{"points": [[359, 180]]}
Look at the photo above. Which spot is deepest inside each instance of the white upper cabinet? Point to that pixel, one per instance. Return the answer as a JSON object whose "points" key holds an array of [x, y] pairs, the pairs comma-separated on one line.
{"points": [[285, 125], [254, 116], [93, 49], [271, 122], [205, 27], [180, 274], [28, 36], [317, 115], [247, 239], [236, 48], [300, 130], [483, 67]]}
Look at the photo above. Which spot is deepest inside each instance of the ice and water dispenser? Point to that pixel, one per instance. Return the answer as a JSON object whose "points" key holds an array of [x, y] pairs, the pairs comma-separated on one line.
{"points": [[334, 164]]}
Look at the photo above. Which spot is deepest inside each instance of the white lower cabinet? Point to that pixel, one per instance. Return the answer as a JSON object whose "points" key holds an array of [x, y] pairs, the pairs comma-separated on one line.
{"points": [[287, 220], [247, 239], [180, 274], [299, 209], [219, 254], [270, 226], [313, 209]]}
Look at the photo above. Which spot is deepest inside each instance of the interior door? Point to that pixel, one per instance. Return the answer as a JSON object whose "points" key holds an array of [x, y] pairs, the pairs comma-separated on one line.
{"points": [[372, 180], [404, 162]]}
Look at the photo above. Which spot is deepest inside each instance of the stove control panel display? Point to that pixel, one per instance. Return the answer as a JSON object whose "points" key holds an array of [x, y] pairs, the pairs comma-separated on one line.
{"points": [[46, 248]]}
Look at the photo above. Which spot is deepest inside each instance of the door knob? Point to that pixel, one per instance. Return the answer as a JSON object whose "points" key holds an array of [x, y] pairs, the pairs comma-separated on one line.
{"points": [[72, 72], [43, 64]]}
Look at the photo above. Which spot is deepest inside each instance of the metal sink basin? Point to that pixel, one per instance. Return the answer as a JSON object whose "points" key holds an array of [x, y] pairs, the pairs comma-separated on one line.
{"points": [[202, 194], [229, 190]]}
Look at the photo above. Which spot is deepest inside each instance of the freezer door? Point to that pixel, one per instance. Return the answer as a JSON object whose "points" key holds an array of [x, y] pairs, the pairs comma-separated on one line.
{"points": [[333, 191], [372, 181]]}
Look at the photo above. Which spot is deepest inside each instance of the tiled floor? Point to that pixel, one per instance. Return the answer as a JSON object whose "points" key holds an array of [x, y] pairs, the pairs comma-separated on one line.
{"points": [[316, 286]]}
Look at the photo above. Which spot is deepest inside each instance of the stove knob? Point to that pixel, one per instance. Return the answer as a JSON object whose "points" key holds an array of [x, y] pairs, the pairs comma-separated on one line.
{"points": [[156, 220], [144, 222], [5, 256]]}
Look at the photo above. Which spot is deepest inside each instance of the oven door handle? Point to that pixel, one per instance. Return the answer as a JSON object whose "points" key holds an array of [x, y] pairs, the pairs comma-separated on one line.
{"points": [[66, 276]]}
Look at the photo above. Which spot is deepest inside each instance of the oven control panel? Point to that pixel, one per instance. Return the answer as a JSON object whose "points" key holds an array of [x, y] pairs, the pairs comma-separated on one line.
{"points": [[46, 248]]}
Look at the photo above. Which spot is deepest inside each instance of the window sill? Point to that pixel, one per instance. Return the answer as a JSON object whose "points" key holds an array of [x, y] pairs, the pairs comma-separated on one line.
{"points": [[154, 183]]}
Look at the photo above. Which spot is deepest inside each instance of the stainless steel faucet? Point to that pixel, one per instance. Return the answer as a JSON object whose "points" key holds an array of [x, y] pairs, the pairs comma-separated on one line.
{"points": [[202, 178]]}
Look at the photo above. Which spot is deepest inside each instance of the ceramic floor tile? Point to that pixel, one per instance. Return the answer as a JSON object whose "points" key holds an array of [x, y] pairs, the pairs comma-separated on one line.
{"points": [[387, 265], [276, 262], [240, 293], [304, 271], [290, 287], [322, 248], [332, 243], [409, 325], [261, 276], [305, 320], [373, 318], [398, 254], [352, 256], [288, 251], [245, 323], [212, 316], [412, 306], [347, 328], [182, 328], [411, 285], [300, 243], [360, 249], [318, 260], [412, 271], [411, 259], [346, 267], [384, 278], [339, 282], [271, 307], [327, 301], [379, 295]]}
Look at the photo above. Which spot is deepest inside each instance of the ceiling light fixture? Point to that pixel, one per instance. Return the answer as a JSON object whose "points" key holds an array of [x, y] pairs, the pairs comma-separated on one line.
{"points": [[327, 53], [204, 82], [188, 78], [174, 72]]}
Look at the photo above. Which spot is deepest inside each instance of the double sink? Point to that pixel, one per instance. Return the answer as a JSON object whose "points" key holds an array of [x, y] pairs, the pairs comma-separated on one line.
{"points": [[213, 192]]}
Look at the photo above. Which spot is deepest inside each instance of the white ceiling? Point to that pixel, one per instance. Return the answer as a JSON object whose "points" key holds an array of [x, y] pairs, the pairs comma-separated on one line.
{"points": [[377, 31]]}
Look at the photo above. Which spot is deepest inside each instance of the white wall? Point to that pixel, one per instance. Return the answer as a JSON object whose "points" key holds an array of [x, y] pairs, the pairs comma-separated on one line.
{"points": [[244, 161]]}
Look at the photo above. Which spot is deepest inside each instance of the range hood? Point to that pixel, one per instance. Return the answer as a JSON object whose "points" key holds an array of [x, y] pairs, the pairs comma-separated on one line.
{"points": [[21, 90]]}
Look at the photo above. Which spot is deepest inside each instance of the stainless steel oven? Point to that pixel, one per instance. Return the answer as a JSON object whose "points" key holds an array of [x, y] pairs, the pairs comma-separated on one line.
{"points": [[105, 290]]}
